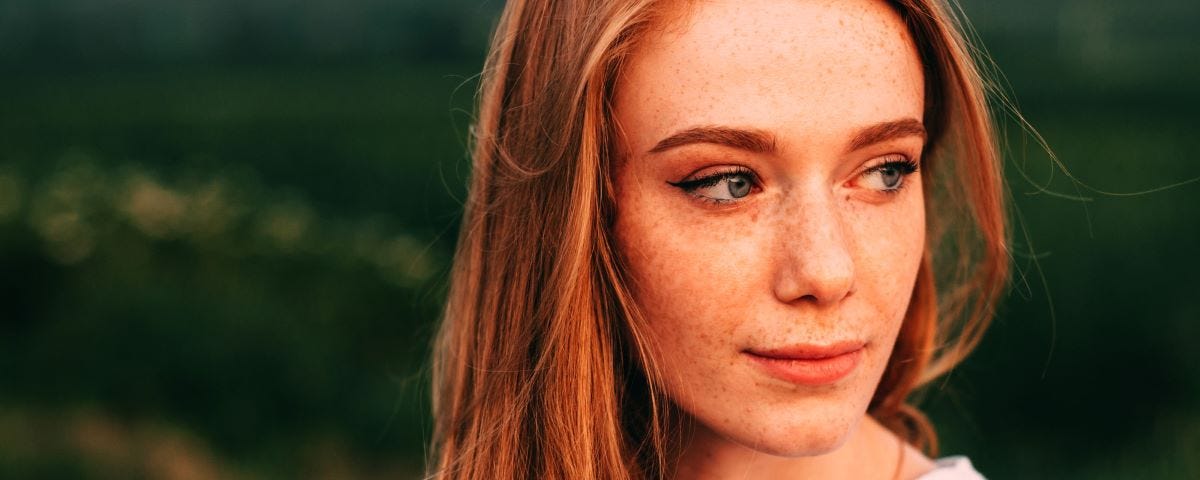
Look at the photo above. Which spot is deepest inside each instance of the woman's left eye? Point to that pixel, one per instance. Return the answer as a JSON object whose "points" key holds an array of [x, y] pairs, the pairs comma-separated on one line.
{"points": [[889, 176], [720, 187]]}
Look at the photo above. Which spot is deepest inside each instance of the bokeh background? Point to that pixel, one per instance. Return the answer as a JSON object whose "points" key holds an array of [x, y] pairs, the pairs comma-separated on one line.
{"points": [[225, 228]]}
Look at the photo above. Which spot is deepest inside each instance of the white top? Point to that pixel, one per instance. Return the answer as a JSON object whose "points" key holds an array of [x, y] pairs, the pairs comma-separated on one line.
{"points": [[957, 467]]}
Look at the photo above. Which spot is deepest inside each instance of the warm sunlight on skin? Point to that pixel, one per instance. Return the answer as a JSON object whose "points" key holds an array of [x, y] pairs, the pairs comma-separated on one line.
{"points": [[772, 223]]}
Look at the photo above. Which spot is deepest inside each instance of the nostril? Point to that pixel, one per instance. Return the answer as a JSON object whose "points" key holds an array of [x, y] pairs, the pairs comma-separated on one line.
{"points": [[813, 298]]}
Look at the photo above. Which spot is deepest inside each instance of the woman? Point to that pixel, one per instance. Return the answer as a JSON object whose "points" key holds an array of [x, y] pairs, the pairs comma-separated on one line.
{"points": [[718, 239]]}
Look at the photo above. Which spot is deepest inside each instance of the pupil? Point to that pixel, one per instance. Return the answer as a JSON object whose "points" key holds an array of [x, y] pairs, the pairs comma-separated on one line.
{"points": [[890, 177], [739, 187]]}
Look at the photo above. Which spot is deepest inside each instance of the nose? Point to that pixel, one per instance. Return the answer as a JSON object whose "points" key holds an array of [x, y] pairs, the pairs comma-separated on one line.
{"points": [[814, 262]]}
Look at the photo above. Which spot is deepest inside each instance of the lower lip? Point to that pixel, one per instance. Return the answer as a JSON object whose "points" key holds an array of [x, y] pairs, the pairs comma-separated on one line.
{"points": [[815, 371]]}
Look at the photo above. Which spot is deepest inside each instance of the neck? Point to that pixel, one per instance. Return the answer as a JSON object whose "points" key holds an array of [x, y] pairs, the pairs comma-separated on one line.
{"points": [[870, 452]]}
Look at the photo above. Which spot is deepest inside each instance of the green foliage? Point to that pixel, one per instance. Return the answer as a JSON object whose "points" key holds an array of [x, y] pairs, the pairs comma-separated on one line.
{"points": [[254, 257]]}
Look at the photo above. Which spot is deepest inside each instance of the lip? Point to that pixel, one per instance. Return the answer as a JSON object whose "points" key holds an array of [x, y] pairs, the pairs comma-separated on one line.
{"points": [[809, 364]]}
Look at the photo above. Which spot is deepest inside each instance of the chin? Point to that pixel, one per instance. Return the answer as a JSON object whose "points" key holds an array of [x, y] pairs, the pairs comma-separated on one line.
{"points": [[808, 436], [809, 442]]}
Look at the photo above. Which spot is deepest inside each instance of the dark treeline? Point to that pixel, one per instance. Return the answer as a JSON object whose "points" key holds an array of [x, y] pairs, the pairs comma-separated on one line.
{"points": [[71, 34]]}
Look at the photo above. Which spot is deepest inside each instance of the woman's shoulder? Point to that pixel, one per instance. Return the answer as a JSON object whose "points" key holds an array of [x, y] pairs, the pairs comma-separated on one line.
{"points": [[957, 467]]}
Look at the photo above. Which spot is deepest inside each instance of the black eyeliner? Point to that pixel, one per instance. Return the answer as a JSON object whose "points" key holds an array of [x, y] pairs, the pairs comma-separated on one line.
{"points": [[906, 166], [713, 179]]}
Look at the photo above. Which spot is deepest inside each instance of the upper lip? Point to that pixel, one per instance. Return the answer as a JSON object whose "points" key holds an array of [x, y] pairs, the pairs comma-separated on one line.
{"points": [[808, 351]]}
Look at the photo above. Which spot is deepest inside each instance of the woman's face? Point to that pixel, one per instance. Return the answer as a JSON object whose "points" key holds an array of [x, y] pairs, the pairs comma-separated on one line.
{"points": [[768, 211]]}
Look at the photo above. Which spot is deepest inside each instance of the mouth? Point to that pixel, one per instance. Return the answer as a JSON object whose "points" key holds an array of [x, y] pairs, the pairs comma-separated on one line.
{"points": [[809, 364]]}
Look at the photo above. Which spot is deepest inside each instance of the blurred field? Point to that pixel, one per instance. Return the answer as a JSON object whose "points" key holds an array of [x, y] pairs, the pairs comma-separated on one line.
{"points": [[228, 266], [237, 265]]}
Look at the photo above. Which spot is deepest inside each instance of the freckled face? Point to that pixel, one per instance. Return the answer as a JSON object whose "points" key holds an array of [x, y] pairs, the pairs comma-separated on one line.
{"points": [[768, 213]]}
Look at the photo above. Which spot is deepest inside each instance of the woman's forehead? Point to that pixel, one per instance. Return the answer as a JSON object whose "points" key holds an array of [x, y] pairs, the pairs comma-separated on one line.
{"points": [[786, 66]]}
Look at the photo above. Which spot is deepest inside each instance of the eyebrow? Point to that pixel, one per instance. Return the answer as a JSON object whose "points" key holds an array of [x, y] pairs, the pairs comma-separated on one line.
{"points": [[755, 141], [881, 132], [758, 141]]}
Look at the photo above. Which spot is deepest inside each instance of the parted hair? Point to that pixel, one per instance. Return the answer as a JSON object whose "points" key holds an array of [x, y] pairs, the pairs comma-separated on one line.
{"points": [[542, 367]]}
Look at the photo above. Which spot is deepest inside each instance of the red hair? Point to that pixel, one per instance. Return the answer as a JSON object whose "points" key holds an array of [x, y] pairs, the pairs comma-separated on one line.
{"points": [[540, 367]]}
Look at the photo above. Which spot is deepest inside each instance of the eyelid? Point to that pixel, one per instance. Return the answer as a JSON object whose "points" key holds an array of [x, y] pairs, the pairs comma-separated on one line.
{"points": [[692, 184], [888, 159], [713, 175], [905, 164], [883, 160]]}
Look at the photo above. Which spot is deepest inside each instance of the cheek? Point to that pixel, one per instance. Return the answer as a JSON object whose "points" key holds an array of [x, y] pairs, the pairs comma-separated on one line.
{"points": [[891, 243], [690, 279]]}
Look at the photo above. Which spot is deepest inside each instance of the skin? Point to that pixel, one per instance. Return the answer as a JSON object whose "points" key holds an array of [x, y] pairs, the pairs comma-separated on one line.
{"points": [[816, 252]]}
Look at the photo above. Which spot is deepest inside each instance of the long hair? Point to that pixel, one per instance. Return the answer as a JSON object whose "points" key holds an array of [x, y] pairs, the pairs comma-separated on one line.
{"points": [[541, 366]]}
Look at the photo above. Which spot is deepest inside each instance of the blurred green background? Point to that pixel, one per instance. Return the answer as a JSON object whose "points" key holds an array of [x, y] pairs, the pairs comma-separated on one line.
{"points": [[225, 227]]}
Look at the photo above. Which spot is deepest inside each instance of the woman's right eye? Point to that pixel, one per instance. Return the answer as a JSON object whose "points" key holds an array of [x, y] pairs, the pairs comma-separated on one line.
{"points": [[720, 187]]}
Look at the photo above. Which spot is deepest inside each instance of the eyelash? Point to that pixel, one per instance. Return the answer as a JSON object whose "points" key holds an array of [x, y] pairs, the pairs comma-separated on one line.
{"points": [[690, 186], [905, 165]]}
